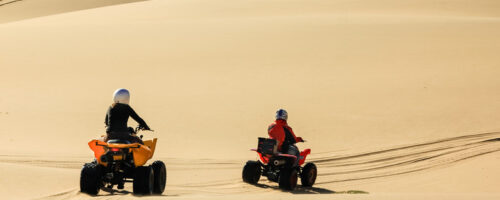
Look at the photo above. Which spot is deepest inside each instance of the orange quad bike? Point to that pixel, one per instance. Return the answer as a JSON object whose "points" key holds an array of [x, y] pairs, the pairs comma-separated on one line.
{"points": [[120, 161]]}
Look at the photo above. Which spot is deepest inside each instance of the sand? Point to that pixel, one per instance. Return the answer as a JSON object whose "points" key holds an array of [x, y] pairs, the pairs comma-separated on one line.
{"points": [[15, 10], [397, 99]]}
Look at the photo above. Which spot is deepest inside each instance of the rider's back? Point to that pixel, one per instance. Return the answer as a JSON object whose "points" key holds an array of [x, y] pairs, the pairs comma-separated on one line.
{"points": [[117, 118], [279, 130]]}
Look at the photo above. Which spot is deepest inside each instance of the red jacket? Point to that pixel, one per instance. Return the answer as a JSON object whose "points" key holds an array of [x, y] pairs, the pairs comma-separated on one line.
{"points": [[277, 131]]}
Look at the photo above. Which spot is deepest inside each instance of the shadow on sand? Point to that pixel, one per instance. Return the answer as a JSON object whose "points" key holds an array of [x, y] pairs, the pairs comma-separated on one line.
{"points": [[111, 192], [311, 190], [300, 189]]}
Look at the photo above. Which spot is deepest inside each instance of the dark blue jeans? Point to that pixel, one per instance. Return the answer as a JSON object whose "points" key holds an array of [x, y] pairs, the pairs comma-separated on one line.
{"points": [[292, 150]]}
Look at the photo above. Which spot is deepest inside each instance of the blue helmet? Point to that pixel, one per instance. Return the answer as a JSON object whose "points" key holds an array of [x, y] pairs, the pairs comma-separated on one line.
{"points": [[121, 96], [282, 114]]}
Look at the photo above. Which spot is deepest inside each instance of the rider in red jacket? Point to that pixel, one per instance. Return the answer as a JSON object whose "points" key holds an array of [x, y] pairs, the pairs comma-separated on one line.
{"points": [[280, 131]]}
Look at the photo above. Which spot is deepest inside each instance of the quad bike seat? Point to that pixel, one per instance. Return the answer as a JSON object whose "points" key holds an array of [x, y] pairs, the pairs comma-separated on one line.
{"points": [[118, 141]]}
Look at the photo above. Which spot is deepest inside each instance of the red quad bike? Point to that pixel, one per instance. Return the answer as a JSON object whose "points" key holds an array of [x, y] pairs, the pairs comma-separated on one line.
{"points": [[279, 167]]}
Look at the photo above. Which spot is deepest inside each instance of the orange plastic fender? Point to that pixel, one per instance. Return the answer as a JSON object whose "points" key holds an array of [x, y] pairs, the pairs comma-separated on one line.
{"points": [[98, 150], [151, 144], [141, 153], [144, 152]]}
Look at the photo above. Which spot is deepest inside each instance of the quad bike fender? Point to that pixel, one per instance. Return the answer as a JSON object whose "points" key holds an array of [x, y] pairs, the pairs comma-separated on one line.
{"points": [[141, 155], [151, 144], [144, 152], [263, 159], [302, 159], [97, 146], [303, 155]]}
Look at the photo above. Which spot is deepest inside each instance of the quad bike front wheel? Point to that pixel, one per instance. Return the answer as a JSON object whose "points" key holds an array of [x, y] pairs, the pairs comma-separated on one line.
{"points": [[90, 178], [143, 180], [251, 172], [160, 177], [288, 179], [308, 175]]}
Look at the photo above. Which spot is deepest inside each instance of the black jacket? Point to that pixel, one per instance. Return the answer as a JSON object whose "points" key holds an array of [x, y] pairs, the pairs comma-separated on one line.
{"points": [[117, 118]]}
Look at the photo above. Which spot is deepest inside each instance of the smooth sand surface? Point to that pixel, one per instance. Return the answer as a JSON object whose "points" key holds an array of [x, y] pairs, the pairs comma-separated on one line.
{"points": [[397, 99]]}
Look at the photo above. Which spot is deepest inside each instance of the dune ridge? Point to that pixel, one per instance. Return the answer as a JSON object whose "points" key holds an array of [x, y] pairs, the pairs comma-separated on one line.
{"points": [[15, 10]]}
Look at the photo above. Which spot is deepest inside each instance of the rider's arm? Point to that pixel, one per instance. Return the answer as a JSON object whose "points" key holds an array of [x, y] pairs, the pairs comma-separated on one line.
{"points": [[106, 120], [297, 139], [138, 119]]}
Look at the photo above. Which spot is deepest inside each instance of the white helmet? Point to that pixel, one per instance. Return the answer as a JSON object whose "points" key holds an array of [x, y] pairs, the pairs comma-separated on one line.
{"points": [[121, 96], [282, 114]]}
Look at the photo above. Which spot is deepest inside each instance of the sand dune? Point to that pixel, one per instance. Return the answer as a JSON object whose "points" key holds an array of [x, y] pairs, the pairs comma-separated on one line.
{"points": [[391, 95], [14, 10]]}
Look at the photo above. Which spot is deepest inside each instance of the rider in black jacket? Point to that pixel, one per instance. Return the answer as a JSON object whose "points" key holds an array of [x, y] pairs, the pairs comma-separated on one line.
{"points": [[117, 118]]}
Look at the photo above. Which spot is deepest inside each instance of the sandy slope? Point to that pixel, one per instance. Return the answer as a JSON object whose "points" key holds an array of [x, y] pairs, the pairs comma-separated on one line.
{"points": [[14, 10], [359, 79]]}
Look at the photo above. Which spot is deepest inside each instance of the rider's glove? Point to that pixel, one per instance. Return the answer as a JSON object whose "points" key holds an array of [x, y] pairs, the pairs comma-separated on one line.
{"points": [[145, 127]]}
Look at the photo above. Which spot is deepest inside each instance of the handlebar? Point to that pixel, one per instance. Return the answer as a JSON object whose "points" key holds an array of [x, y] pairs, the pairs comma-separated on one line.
{"points": [[138, 128]]}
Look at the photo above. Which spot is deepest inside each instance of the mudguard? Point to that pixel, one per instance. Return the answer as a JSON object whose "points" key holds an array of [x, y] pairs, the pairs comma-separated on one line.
{"points": [[263, 159], [302, 159], [97, 146], [303, 155], [141, 153]]}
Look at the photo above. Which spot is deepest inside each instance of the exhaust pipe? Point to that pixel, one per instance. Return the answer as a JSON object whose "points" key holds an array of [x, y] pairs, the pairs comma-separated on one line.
{"points": [[279, 162]]}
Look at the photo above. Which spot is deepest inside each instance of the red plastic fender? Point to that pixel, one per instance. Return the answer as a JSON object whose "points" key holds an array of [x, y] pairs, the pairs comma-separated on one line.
{"points": [[303, 155]]}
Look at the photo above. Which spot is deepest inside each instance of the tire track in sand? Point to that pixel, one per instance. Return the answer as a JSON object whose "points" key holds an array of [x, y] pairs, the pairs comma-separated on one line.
{"points": [[332, 168], [406, 159], [379, 164], [6, 2]]}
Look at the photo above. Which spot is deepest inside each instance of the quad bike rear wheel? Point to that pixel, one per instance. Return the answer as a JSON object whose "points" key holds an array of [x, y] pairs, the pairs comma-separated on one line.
{"points": [[288, 179], [143, 180], [308, 175], [251, 172], [160, 177], [90, 178]]}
